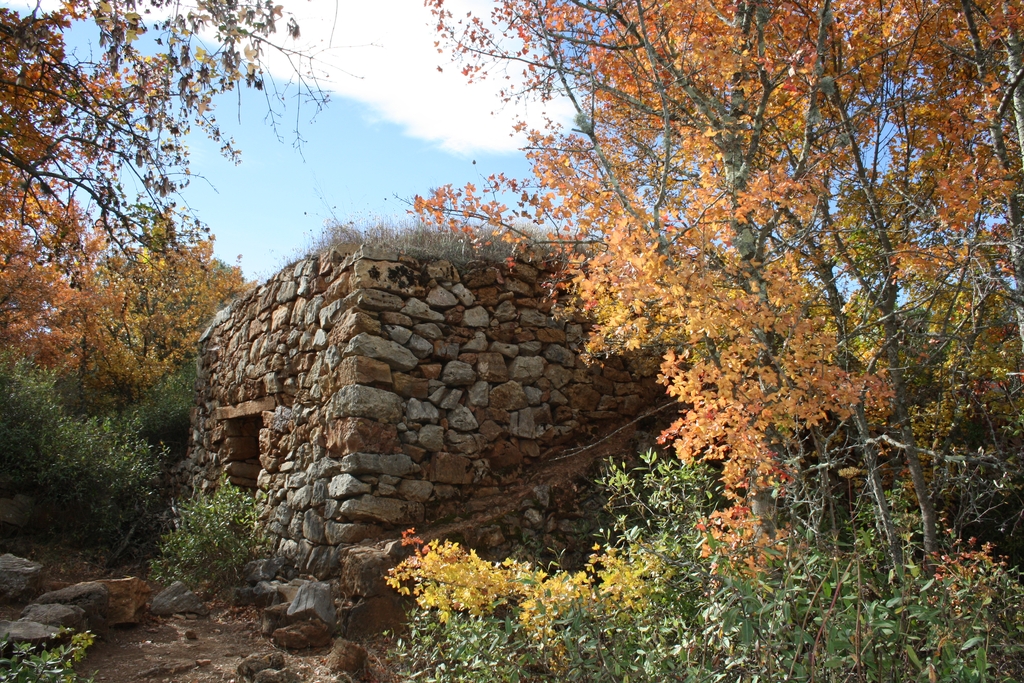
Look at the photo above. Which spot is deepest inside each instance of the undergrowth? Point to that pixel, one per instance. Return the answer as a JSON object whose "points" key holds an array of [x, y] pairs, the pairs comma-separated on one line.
{"points": [[215, 536], [665, 602]]}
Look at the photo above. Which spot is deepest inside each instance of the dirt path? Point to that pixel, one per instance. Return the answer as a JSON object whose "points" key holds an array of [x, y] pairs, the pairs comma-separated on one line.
{"points": [[205, 650]]}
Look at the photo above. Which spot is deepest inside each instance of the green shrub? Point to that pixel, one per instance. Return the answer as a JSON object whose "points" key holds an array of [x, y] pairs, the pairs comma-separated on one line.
{"points": [[55, 665], [164, 413], [804, 611], [216, 536], [95, 480]]}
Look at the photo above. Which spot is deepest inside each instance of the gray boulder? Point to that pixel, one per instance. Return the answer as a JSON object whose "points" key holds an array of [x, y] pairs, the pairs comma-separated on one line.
{"points": [[69, 616], [91, 596], [20, 579], [30, 633], [313, 601], [177, 599]]}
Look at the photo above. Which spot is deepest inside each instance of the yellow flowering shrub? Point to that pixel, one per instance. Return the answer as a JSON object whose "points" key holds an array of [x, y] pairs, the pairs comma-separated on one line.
{"points": [[448, 578]]}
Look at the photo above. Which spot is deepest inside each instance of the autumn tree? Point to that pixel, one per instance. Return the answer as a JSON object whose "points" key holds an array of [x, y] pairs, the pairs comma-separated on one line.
{"points": [[811, 208], [141, 318], [92, 148]]}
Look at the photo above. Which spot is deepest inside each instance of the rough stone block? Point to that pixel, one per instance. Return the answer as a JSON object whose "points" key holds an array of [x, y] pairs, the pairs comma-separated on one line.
{"points": [[458, 374], [346, 486], [491, 367], [362, 370], [394, 464], [447, 468], [372, 300], [382, 510], [351, 324], [395, 355], [356, 434], [389, 276], [508, 396], [361, 401], [313, 601], [407, 386], [177, 599], [127, 602]]}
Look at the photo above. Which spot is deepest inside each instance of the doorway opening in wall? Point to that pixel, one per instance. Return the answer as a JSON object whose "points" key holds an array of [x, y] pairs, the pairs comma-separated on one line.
{"points": [[240, 451]]}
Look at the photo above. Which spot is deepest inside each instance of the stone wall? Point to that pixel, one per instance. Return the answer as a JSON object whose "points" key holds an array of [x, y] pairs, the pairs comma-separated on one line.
{"points": [[364, 392]]}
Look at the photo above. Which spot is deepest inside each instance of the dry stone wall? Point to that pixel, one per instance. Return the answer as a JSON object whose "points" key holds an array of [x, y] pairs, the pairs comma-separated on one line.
{"points": [[364, 392]]}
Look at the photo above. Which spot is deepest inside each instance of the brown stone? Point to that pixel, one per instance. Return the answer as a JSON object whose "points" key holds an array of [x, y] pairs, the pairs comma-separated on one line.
{"points": [[550, 335], [360, 435], [362, 370], [447, 468], [302, 635], [581, 397], [243, 470], [245, 409], [508, 396], [431, 370], [487, 296], [480, 278], [505, 456], [616, 375], [490, 429], [491, 367], [395, 318], [346, 657], [353, 323], [239, 448], [374, 616], [407, 386]]}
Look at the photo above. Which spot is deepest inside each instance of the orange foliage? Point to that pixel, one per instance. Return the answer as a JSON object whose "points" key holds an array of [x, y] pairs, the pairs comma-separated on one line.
{"points": [[811, 208]]}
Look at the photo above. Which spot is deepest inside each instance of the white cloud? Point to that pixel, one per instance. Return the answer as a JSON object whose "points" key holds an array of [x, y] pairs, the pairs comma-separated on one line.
{"points": [[382, 53]]}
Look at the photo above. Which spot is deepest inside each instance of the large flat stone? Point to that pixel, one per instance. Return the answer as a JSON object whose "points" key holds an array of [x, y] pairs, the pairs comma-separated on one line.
{"points": [[68, 616], [29, 632], [92, 596], [383, 510], [395, 355], [396, 464], [360, 401], [245, 409]]}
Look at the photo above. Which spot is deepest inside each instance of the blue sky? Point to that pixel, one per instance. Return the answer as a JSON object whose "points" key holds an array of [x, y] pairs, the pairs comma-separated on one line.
{"points": [[401, 120], [353, 165]]}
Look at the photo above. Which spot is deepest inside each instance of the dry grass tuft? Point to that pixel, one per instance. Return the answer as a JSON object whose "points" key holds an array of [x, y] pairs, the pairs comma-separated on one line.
{"points": [[419, 240]]}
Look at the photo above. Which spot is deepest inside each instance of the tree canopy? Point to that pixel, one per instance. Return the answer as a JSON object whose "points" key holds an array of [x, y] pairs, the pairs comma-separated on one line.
{"points": [[814, 209]]}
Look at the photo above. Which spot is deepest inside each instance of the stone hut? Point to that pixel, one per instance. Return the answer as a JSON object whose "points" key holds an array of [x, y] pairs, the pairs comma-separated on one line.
{"points": [[363, 392]]}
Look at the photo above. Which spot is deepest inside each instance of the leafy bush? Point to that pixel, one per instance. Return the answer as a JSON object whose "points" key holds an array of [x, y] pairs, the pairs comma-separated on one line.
{"points": [[215, 537], [95, 476], [669, 604], [49, 666], [164, 413]]}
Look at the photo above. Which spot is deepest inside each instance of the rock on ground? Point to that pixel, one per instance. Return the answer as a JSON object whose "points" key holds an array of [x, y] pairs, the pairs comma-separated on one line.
{"points": [[29, 632], [302, 635], [92, 596], [128, 599], [346, 656], [177, 599], [253, 664], [20, 579], [56, 615]]}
